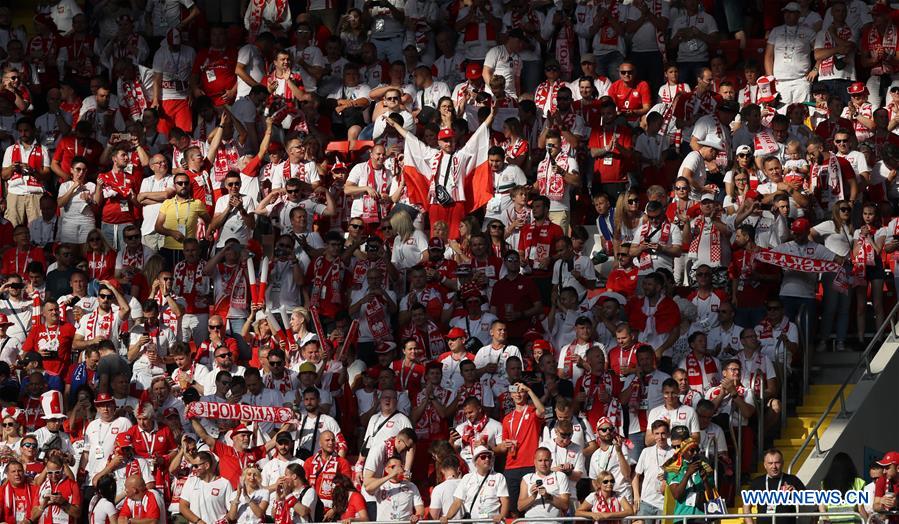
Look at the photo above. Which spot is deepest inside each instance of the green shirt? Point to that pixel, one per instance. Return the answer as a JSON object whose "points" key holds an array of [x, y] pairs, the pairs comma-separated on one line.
{"points": [[694, 491]]}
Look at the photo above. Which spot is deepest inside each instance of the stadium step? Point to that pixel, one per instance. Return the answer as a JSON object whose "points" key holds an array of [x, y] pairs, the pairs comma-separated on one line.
{"points": [[797, 430]]}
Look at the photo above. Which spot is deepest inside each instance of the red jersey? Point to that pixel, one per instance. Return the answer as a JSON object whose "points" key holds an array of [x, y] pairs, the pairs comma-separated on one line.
{"points": [[515, 295], [152, 444], [522, 427], [16, 260], [537, 242], [101, 266], [630, 98], [321, 473], [611, 169], [743, 269], [118, 191], [623, 281], [215, 69], [326, 291], [57, 341], [145, 508], [70, 146], [233, 462], [408, 378], [16, 503]]}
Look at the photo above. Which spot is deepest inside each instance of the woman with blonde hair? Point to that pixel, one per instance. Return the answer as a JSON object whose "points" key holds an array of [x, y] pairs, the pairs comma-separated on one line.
{"points": [[300, 320], [604, 503], [410, 246], [11, 436], [249, 501], [261, 340], [836, 235], [627, 217], [100, 259]]}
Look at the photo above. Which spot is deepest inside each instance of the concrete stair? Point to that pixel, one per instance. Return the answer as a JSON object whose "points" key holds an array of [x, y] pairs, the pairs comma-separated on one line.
{"points": [[799, 427]]}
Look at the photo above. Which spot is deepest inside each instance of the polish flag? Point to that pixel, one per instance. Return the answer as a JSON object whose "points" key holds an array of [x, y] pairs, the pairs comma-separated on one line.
{"points": [[477, 186]]}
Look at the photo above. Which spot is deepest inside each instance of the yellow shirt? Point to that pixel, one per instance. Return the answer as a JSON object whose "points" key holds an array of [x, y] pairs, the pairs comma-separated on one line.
{"points": [[181, 215]]}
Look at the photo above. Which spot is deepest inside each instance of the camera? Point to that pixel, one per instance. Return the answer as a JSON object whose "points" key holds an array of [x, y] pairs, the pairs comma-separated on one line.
{"points": [[538, 483], [513, 388]]}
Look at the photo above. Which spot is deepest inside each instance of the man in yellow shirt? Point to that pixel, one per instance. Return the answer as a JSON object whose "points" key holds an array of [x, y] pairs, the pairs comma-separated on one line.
{"points": [[178, 219]]}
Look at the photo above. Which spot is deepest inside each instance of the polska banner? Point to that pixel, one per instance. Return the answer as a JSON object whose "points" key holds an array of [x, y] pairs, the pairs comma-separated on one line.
{"points": [[224, 410], [806, 265]]}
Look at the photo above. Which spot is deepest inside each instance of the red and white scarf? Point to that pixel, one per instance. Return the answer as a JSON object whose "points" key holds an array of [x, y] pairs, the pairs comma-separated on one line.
{"points": [[472, 430], [326, 282], [545, 96], [550, 183], [833, 182], [698, 228], [377, 179], [432, 339], [35, 161], [645, 260], [120, 183], [134, 100], [768, 327], [565, 43], [826, 68], [99, 324], [886, 42], [185, 279], [257, 7], [700, 373], [606, 505], [607, 34], [376, 316], [225, 160], [234, 291], [864, 256], [135, 260], [475, 390]]}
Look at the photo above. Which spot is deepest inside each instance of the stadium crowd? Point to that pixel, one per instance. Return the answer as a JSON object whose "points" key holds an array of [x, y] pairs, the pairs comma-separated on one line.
{"points": [[291, 261]]}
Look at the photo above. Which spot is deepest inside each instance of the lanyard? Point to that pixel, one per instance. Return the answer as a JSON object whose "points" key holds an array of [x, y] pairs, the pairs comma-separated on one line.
{"points": [[524, 415], [148, 443], [404, 377]]}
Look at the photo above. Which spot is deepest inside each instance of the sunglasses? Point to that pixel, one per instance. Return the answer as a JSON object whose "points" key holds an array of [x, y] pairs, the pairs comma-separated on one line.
{"points": [[633, 201], [356, 226], [743, 155], [627, 73], [608, 481], [840, 141], [276, 363], [29, 445], [106, 296], [233, 184], [391, 98], [552, 68], [496, 226], [182, 183], [604, 430], [215, 326], [681, 188], [93, 239], [224, 355], [54, 472], [10, 424], [132, 237], [292, 191], [484, 457]]}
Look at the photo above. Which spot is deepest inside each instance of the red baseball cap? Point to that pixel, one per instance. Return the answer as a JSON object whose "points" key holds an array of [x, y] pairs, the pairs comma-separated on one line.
{"points": [[473, 71], [890, 458], [4, 320], [446, 134], [455, 333], [543, 345]]}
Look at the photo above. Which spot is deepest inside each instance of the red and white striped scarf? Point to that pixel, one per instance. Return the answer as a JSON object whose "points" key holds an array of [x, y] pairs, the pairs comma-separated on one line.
{"points": [[826, 68], [550, 183], [698, 228], [606, 505], [376, 179], [35, 161], [99, 324], [697, 372], [546, 94], [645, 260], [376, 316], [135, 260], [864, 256], [134, 100], [255, 12], [886, 42], [185, 279]]}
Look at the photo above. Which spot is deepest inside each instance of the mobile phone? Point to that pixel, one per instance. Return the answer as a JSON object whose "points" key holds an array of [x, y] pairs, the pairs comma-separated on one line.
{"points": [[513, 388]]}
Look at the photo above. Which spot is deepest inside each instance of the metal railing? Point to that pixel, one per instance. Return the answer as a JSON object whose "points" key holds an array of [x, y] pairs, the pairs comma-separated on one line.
{"points": [[840, 395], [685, 518]]}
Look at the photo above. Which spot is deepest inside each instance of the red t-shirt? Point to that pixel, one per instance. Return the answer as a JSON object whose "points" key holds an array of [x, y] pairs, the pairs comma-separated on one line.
{"points": [[408, 378], [118, 208], [750, 293], [101, 266], [630, 98], [57, 341], [145, 508], [15, 260], [69, 147], [158, 443], [523, 427], [355, 504], [16, 503], [232, 463], [611, 169], [623, 281], [215, 69], [516, 295], [321, 474]]}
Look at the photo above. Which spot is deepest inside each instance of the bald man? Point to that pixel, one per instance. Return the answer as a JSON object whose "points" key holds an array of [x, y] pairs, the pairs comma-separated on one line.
{"points": [[141, 505]]}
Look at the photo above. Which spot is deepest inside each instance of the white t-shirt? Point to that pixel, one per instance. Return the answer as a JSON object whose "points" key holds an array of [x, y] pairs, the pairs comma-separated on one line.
{"points": [[253, 63], [208, 500], [694, 162], [571, 454], [649, 465], [99, 442], [487, 503], [694, 50], [644, 39], [151, 211], [79, 207], [175, 68], [838, 241], [506, 64], [442, 496], [608, 460], [792, 51], [234, 226], [407, 254], [556, 483], [487, 355], [244, 514], [490, 436], [397, 500], [848, 71], [562, 275], [682, 416]]}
